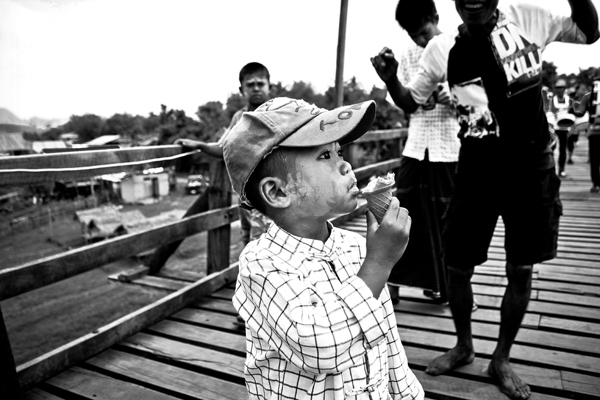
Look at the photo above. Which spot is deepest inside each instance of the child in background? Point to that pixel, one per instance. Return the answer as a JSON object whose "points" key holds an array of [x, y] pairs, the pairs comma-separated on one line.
{"points": [[319, 319]]}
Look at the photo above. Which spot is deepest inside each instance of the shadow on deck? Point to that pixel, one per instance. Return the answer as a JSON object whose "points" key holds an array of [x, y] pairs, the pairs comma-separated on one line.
{"points": [[198, 352]]}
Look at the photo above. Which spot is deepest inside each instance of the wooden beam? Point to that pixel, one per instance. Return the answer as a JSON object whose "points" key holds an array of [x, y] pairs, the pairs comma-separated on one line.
{"points": [[160, 256], [218, 240], [58, 360], [39, 273], [379, 168], [79, 165], [9, 385]]}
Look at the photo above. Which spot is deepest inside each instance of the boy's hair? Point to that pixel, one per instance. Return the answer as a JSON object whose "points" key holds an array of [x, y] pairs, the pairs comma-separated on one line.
{"points": [[413, 14], [273, 165], [253, 68]]}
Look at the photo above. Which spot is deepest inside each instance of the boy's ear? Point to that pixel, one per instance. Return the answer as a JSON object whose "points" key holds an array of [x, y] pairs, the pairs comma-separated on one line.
{"points": [[436, 18], [273, 192]]}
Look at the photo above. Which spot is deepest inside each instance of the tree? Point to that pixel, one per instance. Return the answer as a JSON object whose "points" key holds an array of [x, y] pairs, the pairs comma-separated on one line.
{"points": [[125, 125], [213, 118], [88, 126], [235, 102]]}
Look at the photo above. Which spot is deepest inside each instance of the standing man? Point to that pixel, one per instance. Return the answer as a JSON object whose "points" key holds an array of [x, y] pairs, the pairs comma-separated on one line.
{"points": [[255, 87], [426, 175], [506, 167]]}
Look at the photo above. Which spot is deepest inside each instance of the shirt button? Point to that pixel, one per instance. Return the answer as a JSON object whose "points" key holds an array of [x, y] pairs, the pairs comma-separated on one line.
{"points": [[371, 389]]}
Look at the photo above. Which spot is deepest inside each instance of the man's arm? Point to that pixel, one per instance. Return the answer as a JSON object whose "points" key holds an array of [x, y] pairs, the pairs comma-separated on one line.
{"points": [[213, 149], [584, 14], [386, 66]]}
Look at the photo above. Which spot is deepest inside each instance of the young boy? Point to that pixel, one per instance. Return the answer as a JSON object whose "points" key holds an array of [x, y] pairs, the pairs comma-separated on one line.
{"points": [[254, 86], [319, 320]]}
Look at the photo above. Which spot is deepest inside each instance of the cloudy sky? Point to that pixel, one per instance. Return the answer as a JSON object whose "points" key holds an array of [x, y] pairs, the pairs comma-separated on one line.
{"points": [[65, 57]]}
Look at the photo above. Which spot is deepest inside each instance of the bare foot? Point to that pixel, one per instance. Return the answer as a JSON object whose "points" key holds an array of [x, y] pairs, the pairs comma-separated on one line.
{"points": [[455, 357], [510, 384]]}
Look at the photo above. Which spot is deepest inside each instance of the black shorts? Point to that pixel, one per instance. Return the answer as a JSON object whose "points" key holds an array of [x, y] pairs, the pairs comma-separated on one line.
{"points": [[528, 203]]}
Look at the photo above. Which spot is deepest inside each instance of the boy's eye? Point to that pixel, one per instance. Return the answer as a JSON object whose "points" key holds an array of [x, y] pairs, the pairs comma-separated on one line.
{"points": [[326, 155]]}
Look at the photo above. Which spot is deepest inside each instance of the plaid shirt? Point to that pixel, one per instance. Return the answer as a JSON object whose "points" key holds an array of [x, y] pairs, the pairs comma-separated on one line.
{"points": [[435, 130], [313, 328]]}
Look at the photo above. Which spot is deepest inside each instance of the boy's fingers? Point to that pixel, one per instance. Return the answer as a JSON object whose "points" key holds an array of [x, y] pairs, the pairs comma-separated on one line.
{"points": [[372, 224]]}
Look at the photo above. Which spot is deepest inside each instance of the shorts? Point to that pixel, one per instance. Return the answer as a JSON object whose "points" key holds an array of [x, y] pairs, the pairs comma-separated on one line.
{"points": [[527, 201]]}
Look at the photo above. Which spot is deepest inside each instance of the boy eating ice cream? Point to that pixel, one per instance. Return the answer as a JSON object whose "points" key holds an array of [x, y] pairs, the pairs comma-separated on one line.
{"points": [[319, 320]]}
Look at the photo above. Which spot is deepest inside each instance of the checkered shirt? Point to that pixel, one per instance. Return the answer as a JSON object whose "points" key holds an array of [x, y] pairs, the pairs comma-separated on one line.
{"points": [[313, 328], [436, 129]]}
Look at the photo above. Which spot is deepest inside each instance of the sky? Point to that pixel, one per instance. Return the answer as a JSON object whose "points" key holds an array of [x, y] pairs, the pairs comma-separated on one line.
{"points": [[70, 57]]}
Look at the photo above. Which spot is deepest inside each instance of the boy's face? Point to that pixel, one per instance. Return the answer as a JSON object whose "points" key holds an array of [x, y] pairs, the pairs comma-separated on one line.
{"points": [[321, 184], [255, 89], [424, 34], [476, 13]]}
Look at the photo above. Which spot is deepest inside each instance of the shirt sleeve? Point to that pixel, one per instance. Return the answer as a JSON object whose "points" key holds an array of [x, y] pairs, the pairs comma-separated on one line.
{"points": [[317, 332], [432, 68], [545, 27]]}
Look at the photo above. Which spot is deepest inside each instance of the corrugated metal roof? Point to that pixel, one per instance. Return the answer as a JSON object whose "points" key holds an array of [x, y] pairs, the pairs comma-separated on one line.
{"points": [[13, 142], [101, 140]]}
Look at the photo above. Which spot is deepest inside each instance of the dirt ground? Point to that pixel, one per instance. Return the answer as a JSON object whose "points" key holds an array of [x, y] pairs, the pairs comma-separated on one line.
{"points": [[44, 319]]}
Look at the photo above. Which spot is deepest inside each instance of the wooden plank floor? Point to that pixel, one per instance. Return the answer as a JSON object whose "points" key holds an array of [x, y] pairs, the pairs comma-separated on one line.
{"points": [[198, 353]]}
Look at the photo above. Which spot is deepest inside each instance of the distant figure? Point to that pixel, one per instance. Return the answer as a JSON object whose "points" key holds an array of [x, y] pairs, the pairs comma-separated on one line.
{"points": [[320, 323], [506, 166], [591, 103], [581, 123], [426, 175], [254, 87], [560, 106]]}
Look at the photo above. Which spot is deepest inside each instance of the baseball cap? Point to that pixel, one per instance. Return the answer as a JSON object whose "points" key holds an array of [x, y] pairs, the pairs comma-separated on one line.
{"points": [[288, 122]]}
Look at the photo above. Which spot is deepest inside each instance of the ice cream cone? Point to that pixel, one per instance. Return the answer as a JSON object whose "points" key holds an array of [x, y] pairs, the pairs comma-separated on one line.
{"points": [[379, 195]]}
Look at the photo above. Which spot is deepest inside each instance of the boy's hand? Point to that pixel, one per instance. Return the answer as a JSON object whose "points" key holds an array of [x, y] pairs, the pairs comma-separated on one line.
{"points": [[385, 64], [387, 241], [192, 144]]}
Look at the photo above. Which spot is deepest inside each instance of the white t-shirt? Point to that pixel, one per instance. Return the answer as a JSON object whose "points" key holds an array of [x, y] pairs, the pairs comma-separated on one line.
{"points": [[539, 24]]}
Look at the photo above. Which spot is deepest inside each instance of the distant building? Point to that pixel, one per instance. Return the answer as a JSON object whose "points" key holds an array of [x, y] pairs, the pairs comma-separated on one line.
{"points": [[107, 221], [13, 144], [108, 139], [39, 146]]}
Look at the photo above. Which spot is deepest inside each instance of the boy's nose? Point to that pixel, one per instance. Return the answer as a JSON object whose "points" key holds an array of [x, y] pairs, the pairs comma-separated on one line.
{"points": [[345, 167]]}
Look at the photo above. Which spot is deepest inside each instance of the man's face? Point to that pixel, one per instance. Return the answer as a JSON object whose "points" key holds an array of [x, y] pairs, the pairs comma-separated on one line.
{"points": [[255, 89], [424, 34], [321, 184], [476, 13]]}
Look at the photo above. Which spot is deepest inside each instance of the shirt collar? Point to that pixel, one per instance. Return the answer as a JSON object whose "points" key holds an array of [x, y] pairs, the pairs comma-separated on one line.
{"points": [[296, 244]]}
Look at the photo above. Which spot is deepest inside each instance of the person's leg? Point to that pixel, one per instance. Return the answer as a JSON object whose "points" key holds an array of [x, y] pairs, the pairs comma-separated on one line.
{"points": [[572, 142], [562, 151], [460, 298], [512, 310], [594, 153]]}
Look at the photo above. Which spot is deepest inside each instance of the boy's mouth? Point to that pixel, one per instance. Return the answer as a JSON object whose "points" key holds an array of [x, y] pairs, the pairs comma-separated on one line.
{"points": [[353, 188]]}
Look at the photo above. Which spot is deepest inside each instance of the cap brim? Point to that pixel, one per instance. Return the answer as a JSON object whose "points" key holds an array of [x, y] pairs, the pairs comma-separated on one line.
{"points": [[343, 125]]}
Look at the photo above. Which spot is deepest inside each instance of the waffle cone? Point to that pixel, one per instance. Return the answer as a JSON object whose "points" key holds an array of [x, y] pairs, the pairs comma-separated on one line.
{"points": [[379, 200]]}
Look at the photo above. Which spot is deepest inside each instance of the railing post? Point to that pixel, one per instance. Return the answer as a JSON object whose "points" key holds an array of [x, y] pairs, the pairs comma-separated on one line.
{"points": [[9, 385], [219, 240]]}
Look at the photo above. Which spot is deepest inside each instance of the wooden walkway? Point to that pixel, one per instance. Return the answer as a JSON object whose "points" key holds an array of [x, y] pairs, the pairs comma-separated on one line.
{"points": [[198, 352]]}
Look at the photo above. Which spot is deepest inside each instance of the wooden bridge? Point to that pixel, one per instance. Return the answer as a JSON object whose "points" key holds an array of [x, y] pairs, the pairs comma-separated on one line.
{"points": [[188, 345]]}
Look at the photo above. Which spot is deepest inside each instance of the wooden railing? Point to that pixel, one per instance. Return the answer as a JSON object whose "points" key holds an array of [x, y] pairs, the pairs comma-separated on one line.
{"points": [[211, 212]]}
